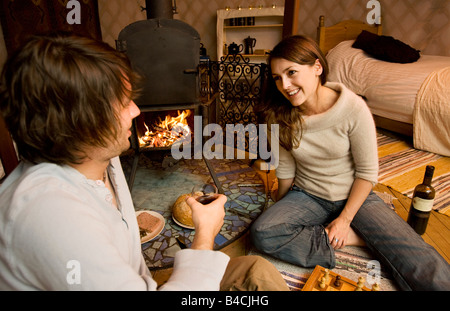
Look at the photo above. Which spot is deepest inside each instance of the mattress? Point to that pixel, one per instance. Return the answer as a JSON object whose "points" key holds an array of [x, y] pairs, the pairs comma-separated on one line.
{"points": [[390, 89]]}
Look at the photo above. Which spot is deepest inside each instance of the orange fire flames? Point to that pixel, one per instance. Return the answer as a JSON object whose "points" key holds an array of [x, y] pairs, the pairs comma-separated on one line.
{"points": [[166, 132]]}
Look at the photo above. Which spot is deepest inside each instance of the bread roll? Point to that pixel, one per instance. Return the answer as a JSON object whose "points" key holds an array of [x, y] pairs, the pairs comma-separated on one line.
{"points": [[182, 212]]}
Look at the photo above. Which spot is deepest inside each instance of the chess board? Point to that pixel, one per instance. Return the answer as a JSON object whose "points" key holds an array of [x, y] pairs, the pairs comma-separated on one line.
{"points": [[323, 279]]}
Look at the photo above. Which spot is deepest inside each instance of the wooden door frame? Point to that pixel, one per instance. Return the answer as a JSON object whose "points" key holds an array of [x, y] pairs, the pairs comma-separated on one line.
{"points": [[290, 20]]}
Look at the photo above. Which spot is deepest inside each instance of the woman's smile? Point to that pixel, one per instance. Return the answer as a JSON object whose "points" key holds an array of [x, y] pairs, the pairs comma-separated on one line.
{"points": [[293, 92]]}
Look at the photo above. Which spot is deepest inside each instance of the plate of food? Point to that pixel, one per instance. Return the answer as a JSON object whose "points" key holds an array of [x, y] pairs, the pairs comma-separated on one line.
{"points": [[182, 213], [150, 225]]}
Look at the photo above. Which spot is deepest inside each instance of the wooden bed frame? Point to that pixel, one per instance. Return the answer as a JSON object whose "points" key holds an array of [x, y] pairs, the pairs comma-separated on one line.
{"points": [[329, 37]]}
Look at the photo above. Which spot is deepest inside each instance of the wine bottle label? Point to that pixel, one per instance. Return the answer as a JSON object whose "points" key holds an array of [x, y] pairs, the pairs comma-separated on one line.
{"points": [[422, 204]]}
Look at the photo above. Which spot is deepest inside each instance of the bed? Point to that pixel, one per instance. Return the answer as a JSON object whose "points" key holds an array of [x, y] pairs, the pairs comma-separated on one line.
{"points": [[408, 98]]}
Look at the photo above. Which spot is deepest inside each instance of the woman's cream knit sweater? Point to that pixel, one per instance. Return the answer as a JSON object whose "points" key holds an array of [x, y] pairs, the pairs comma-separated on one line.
{"points": [[337, 146]]}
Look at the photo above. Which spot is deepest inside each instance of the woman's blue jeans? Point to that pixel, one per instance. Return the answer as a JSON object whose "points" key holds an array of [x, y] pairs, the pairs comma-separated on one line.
{"points": [[293, 230]]}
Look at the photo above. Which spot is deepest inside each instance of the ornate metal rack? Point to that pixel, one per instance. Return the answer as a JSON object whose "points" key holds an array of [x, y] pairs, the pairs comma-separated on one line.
{"points": [[236, 83]]}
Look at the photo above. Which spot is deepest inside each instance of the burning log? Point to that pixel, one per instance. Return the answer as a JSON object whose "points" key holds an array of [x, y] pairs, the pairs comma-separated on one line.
{"points": [[166, 132]]}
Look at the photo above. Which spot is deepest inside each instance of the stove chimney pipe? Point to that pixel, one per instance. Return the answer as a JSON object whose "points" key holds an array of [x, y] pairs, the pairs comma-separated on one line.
{"points": [[159, 9]]}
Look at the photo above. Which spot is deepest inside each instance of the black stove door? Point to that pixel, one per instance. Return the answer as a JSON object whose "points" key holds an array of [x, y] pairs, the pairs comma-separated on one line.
{"points": [[166, 53]]}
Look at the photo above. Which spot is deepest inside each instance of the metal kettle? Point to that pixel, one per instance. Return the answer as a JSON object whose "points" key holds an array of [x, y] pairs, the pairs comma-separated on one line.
{"points": [[249, 45], [235, 49]]}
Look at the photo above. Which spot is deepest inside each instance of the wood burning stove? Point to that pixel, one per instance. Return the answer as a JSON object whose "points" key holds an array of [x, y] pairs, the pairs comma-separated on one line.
{"points": [[166, 53]]}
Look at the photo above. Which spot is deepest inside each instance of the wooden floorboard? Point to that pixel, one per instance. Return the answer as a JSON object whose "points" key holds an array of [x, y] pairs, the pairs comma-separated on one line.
{"points": [[438, 231]]}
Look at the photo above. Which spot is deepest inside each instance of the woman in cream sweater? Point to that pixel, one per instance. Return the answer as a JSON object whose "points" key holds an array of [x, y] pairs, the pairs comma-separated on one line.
{"points": [[328, 165]]}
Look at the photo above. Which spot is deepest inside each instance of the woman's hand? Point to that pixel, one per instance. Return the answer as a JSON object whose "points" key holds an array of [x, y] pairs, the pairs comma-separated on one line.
{"points": [[341, 234], [208, 220], [338, 231]]}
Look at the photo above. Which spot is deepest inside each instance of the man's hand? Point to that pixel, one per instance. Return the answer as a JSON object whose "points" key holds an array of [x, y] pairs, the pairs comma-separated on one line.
{"points": [[208, 219]]}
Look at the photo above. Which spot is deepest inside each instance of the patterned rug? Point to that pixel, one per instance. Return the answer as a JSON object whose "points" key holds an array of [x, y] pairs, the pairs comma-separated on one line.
{"points": [[351, 262], [402, 168]]}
